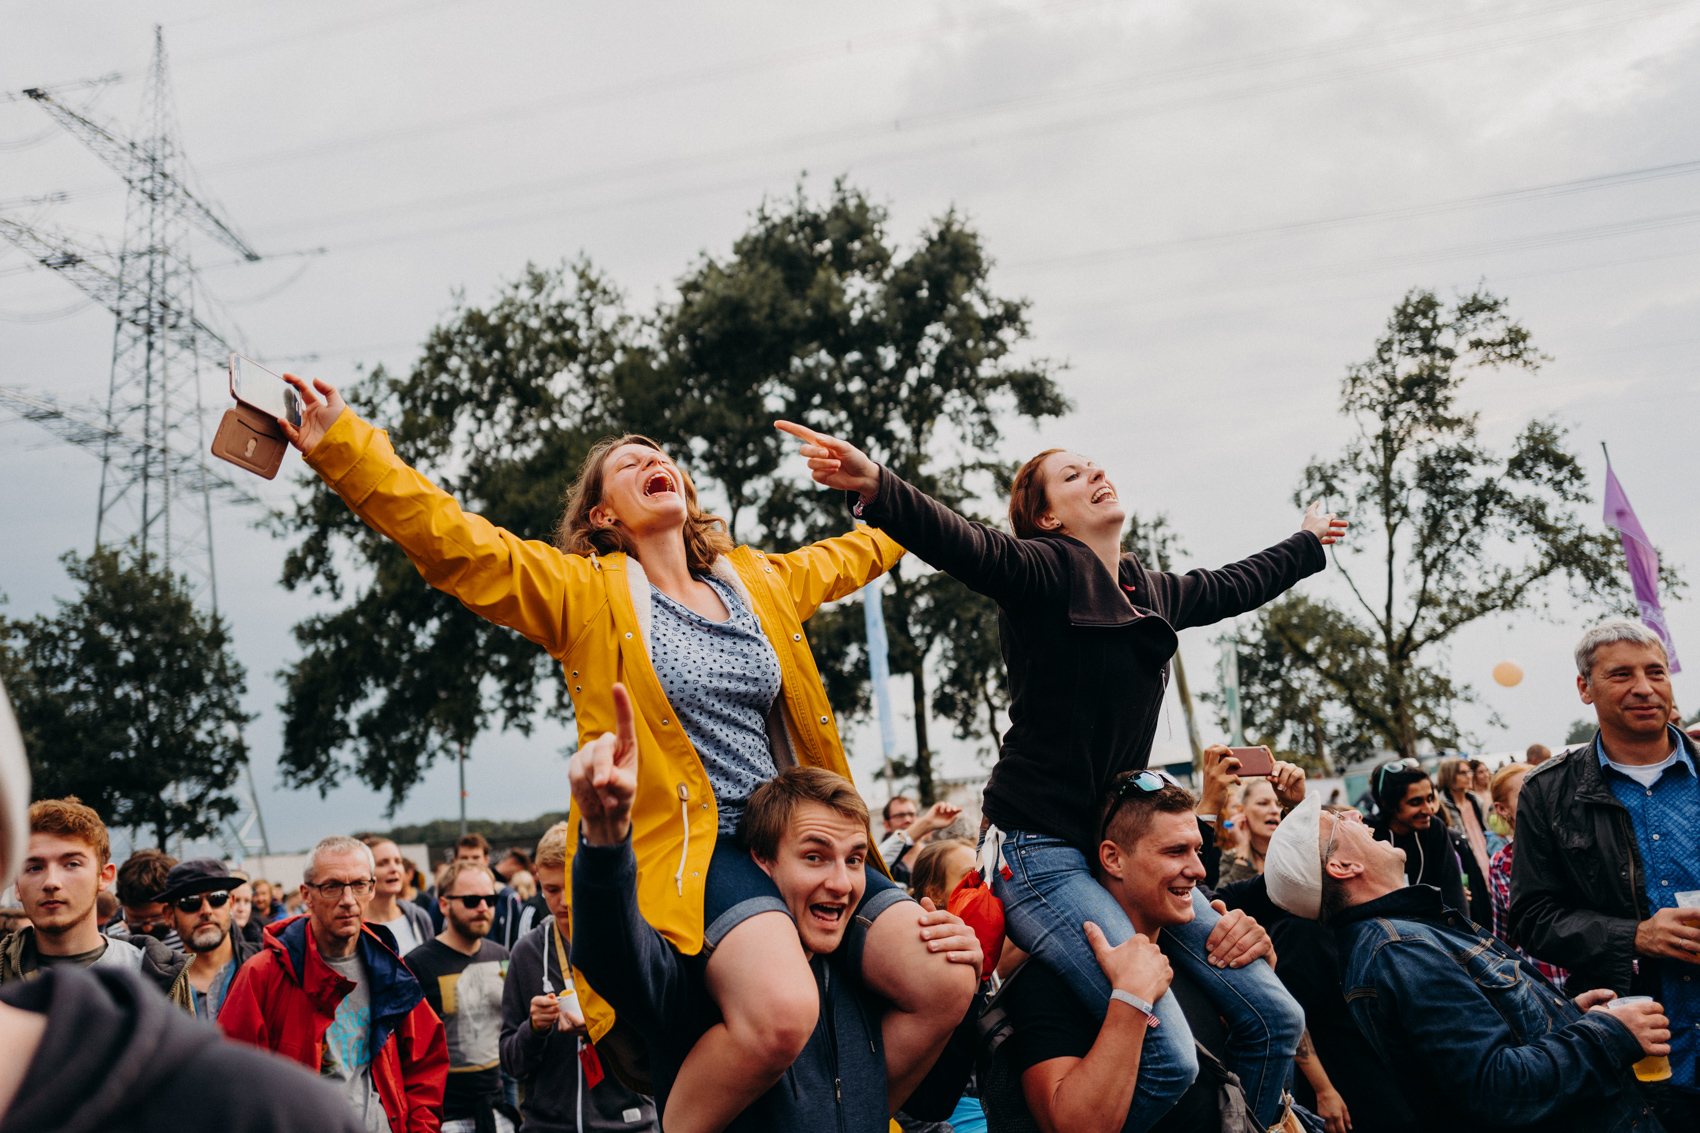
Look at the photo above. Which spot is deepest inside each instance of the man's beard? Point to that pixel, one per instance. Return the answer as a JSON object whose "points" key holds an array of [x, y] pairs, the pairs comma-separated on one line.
{"points": [[205, 938]]}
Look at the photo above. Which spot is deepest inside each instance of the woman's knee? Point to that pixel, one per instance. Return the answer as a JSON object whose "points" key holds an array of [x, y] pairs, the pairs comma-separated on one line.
{"points": [[1170, 1064], [760, 979], [897, 965], [774, 1026]]}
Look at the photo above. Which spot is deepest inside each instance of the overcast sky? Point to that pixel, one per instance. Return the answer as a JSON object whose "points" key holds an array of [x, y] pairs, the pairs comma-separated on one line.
{"points": [[1212, 206]]}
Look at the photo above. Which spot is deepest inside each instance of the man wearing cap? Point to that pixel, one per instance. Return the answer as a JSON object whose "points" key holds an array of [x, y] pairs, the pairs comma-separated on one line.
{"points": [[198, 894], [1476, 1037]]}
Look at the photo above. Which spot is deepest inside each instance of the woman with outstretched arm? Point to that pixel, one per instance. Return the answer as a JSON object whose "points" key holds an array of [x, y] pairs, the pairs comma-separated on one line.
{"points": [[642, 587], [1087, 633]]}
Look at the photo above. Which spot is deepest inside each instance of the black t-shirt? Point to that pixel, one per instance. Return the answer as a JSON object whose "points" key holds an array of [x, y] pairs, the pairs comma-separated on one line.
{"points": [[466, 991], [1051, 1022]]}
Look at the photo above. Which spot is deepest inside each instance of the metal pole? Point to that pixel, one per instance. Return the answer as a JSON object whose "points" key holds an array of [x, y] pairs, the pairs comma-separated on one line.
{"points": [[462, 762]]}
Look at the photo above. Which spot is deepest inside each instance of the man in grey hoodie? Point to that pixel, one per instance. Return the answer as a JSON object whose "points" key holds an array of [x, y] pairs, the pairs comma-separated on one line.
{"points": [[543, 1028]]}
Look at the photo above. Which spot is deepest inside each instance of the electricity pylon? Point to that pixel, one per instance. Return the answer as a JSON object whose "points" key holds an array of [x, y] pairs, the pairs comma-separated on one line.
{"points": [[156, 487]]}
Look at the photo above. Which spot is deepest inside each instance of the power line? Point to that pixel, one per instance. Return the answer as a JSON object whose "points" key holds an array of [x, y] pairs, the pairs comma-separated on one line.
{"points": [[931, 148]]}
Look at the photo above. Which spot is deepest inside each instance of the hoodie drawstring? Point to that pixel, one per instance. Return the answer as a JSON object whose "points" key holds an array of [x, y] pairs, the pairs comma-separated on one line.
{"points": [[685, 821]]}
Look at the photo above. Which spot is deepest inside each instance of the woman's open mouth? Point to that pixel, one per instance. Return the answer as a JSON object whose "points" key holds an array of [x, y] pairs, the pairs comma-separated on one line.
{"points": [[658, 483], [1103, 493]]}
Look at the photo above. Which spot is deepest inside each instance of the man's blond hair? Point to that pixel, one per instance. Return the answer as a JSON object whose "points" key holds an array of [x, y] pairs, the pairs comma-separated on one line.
{"points": [[551, 848]]}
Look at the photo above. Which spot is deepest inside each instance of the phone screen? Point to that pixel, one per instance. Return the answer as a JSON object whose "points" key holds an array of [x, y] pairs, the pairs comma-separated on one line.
{"points": [[253, 384]]}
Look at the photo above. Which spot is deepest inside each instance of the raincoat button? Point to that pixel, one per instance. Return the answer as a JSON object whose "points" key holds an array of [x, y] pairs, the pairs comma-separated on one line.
{"points": [[823, 719], [796, 637], [664, 721], [628, 635]]}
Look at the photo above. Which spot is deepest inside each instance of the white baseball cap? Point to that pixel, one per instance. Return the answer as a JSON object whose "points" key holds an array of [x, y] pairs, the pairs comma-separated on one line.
{"points": [[1292, 867], [14, 794]]}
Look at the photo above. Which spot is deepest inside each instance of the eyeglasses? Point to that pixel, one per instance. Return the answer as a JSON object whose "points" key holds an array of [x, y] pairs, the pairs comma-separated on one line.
{"points": [[1395, 767], [192, 903], [1328, 854], [333, 890], [1147, 782], [473, 900]]}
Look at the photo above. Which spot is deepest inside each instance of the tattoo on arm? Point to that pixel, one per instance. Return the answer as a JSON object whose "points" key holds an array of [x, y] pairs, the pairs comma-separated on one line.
{"points": [[1306, 1051]]}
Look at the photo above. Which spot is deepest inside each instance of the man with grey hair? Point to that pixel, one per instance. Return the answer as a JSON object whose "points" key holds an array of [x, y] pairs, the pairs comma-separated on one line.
{"points": [[1606, 881], [329, 993]]}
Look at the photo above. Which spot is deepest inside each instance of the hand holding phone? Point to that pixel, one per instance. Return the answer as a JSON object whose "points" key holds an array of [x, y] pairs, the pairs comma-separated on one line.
{"points": [[1255, 762]]}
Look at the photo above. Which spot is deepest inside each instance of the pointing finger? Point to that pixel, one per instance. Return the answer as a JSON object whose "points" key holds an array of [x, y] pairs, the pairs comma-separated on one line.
{"points": [[625, 721]]}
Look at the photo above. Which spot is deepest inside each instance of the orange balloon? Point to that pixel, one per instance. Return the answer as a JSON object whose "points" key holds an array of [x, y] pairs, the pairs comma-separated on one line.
{"points": [[1508, 673]]}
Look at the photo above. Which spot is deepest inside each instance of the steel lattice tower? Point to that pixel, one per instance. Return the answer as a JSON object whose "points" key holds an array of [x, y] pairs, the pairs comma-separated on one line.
{"points": [[155, 486]]}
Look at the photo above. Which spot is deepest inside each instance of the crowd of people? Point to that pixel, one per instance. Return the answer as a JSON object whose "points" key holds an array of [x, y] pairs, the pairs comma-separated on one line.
{"points": [[718, 940]]}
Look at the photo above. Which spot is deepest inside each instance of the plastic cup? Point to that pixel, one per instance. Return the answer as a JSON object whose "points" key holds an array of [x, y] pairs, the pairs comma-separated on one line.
{"points": [[1655, 1067]]}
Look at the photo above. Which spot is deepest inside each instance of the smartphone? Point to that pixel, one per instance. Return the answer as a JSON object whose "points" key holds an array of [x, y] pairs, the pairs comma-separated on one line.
{"points": [[255, 386], [1255, 762]]}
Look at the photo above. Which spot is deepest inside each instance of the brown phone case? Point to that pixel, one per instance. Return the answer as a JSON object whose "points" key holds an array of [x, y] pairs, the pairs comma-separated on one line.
{"points": [[1255, 762], [250, 439]]}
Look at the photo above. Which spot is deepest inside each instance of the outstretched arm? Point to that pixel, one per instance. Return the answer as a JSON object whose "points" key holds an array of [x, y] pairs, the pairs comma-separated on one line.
{"points": [[1004, 568], [1201, 597], [519, 583]]}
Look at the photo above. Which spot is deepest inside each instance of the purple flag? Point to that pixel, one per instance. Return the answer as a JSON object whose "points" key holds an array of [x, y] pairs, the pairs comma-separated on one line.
{"points": [[1643, 562]]}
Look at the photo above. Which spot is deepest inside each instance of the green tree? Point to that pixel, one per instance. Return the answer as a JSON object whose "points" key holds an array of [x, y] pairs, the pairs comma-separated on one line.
{"points": [[813, 316], [912, 357], [501, 407], [1446, 532], [129, 698]]}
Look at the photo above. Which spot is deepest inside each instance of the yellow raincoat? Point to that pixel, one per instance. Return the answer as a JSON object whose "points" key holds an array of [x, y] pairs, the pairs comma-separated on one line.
{"points": [[592, 614]]}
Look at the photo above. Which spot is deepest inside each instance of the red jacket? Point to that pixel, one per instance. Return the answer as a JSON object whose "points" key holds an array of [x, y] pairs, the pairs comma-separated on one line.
{"points": [[272, 1004]]}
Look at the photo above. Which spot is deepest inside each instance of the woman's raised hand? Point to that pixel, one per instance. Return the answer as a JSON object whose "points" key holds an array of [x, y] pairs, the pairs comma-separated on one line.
{"points": [[316, 416], [1329, 528], [835, 463]]}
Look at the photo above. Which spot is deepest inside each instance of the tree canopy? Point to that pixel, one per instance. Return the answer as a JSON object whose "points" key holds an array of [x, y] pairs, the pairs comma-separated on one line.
{"points": [[815, 315], [129, 697], [1445, 532]]}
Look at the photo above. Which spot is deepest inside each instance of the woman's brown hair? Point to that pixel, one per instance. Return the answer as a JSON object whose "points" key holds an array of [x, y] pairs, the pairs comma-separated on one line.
{"points": [[1027, 498], [705, 535], [926, 877]]}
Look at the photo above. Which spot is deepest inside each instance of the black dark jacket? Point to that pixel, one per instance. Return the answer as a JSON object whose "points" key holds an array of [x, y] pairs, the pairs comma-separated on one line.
{"points": [[1578, 889], [1432, 859], [1087, 655], [118, 1057]]}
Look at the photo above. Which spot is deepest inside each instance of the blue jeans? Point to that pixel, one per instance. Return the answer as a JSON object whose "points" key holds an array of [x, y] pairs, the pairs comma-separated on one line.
{"points": [[1047, 899]]}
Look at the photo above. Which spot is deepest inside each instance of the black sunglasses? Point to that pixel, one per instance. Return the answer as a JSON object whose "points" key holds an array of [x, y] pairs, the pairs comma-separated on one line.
{"points": [[1147, 782], [473, 900], [192, 903]]}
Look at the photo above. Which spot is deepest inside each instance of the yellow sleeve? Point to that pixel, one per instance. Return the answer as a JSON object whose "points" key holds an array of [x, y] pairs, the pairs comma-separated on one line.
{"points": [[524, 584], [834, 568]]}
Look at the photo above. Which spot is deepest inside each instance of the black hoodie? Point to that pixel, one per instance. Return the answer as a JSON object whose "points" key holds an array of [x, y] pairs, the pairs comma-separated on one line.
{"points": [[117, 1057]]}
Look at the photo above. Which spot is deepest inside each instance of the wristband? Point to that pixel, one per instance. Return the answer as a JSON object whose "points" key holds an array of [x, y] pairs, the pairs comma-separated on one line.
{"points": [[1137, 1004]]}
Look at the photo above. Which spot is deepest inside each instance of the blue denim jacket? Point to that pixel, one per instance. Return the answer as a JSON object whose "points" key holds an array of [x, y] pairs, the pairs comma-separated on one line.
{"points": [[1476, 1036]]}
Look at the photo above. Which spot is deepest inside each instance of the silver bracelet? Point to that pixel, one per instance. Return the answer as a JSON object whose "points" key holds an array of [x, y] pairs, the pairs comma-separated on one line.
{"points": [[1137, 1004]]}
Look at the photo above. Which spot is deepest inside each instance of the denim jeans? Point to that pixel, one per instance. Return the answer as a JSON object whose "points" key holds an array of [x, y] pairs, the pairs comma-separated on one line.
{"points": [[1047, 899]]}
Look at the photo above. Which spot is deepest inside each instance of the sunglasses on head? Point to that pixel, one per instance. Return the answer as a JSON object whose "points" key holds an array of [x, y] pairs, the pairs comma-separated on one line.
{"points": [[1147, 782], [1397, 766], [192, 903], [473, 900]]}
